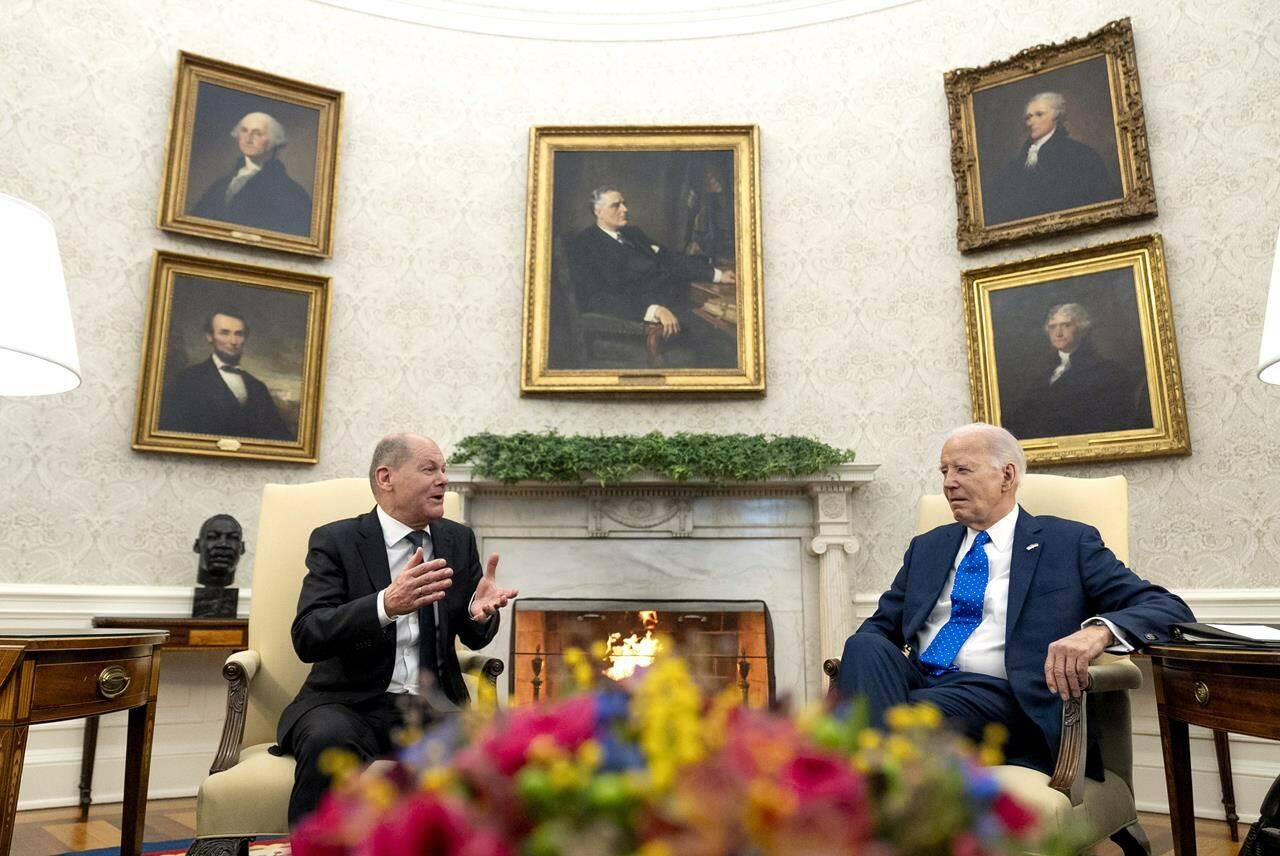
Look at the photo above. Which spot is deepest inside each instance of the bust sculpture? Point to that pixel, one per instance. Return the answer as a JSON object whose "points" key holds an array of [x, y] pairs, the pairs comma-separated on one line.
{"points": [[220, 545]]}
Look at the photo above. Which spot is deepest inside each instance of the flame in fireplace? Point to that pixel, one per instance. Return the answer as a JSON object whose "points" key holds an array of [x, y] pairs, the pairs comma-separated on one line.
{"points": [[634, 652]]}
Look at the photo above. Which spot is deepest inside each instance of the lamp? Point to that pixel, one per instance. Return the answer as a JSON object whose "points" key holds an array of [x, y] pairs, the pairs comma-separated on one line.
{"points": [[37, 341], [1269, 355]]}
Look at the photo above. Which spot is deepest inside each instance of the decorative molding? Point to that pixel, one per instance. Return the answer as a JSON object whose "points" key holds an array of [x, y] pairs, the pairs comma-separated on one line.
{"points": [[619, 21]]}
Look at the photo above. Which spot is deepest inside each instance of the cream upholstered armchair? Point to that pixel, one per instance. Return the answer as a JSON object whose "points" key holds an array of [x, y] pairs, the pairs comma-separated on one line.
{"points": [[246, 794], [1107, 807]]}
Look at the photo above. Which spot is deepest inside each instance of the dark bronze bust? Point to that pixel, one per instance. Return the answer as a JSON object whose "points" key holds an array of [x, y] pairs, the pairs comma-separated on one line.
{"points": [[220, 545]]}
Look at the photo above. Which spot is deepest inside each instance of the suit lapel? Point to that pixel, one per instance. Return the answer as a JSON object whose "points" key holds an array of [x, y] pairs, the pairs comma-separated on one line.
{"points": [[373, 551], [937, 566], [1022, 567]]}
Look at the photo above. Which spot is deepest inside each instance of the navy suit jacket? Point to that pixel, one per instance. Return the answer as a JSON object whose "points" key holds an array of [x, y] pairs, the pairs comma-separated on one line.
{"points": [[337, 627], [198, 401], [1068, 578]]}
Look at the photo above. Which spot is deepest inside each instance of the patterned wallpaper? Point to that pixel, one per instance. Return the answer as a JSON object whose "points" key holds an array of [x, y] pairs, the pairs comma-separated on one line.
{"points": [[864, 331]]}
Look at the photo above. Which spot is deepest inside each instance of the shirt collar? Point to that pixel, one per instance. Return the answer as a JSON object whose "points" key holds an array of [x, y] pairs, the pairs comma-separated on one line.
{"points": [[609, 232], [1001, 532], [1035, 146], [219, 362], [393, 531], [251, 167]]}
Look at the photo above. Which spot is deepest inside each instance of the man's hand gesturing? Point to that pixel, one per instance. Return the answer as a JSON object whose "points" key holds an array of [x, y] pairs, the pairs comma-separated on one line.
{"points": [[1066, 668], [419, 584], [489, 596]]}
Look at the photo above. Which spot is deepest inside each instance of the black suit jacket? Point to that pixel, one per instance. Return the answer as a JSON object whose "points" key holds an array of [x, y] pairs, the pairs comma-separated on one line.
{"points": [[270, 200], [1061, 574], [337, 628], [198, 401], [1093, 395], [624, 280], [1067, 174]]}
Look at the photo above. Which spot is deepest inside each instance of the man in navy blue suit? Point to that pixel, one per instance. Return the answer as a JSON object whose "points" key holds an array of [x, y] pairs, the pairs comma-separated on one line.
{"points": [[999, 614]]}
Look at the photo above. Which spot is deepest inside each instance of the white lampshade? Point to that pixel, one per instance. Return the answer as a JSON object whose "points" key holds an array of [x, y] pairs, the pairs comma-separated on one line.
{"points": [[37, 342], [1269, 355]]}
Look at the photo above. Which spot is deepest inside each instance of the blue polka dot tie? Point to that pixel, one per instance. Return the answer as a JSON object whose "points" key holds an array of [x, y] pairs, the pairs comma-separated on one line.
{"points": [[967, 595]]}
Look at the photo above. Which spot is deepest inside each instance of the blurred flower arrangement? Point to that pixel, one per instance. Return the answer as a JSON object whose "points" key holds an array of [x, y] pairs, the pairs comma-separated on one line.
{"points": [[652, 767]]}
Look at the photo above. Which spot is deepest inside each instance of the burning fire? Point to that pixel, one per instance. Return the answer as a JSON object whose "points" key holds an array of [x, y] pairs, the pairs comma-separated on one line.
{"points": [[634, 652]]}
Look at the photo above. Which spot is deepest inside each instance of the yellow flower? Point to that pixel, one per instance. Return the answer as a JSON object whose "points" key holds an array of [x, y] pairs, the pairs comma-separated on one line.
{"points": [[544, 749], [868, 739], [590, 754], [990, 756], [900, 747], [928, 716], [900, 718], [995, 734], [339, 764], [378, 792], [655, 848], [436, 779]]}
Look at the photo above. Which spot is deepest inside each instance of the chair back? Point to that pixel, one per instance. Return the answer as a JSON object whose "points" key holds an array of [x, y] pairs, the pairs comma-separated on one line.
{"points": [[290, 512], [1102, 503]]}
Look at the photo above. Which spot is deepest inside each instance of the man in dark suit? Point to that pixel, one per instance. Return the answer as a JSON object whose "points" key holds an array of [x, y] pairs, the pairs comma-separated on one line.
{"points": [[258, 193], [1076, 390], [1051, 172], [616, 269], [217, 396], [999, 614], [384, 598]]}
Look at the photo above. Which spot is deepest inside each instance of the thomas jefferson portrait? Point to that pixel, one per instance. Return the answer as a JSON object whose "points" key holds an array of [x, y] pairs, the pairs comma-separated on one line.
{"points": [[1069, 357], [252, 161], [1047, 143], [643, 262], [234, 360]]}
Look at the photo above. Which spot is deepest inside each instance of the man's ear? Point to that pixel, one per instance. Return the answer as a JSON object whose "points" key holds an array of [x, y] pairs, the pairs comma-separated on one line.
{"points": [[1009, 477], [195, 546]]}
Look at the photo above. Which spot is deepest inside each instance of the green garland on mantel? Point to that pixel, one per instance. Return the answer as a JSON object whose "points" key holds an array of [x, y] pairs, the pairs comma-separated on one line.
{"points": [[554, 457]]}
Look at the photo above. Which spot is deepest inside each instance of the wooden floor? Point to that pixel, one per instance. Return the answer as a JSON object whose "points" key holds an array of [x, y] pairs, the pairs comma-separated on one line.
{"points": [[51, 831]]}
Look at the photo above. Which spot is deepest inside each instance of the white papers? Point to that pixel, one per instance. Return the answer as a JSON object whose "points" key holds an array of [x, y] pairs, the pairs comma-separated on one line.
{"points": [[1252, 632]]}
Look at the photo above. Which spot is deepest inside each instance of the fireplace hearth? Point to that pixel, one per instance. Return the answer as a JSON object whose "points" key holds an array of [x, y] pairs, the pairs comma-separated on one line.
{"points": [[727, 643]]}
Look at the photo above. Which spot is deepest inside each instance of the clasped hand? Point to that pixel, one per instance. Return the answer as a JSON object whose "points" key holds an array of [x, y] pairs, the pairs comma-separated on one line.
{"points": [[1066, 668]]}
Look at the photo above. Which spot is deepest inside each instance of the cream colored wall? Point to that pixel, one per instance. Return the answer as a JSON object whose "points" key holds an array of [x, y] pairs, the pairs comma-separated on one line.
{"points": [[863, 313]]}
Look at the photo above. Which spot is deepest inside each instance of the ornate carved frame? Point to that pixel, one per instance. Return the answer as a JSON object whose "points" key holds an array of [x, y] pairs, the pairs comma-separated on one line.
{"points": [[1115, 41], [1169, 434]]}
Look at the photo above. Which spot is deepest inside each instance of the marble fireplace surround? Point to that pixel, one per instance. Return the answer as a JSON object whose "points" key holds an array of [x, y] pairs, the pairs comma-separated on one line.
{"points": [[786, 541]]}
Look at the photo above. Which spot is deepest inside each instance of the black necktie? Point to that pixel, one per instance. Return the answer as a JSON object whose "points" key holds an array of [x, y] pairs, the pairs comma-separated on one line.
{"points": [[431, 639], [232, 369]]}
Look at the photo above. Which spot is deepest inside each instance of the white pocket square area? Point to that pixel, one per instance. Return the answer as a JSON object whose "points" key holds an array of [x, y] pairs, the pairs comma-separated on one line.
{"points": [[1033, 546]]}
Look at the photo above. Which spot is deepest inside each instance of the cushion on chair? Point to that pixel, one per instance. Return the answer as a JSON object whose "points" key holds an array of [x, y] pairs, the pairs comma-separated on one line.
{"points": [[252, 798], [1107, 807]]}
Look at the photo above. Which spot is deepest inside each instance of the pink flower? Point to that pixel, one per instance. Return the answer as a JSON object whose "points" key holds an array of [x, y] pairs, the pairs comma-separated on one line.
{"points": [[1015, 817], [506, 742], [812, 775], [424, 824]]}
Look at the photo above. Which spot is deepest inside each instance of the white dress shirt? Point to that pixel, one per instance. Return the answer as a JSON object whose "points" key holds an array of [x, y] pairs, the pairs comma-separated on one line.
{"points": [[1064, 363], [233, 380], [248, 171], [404, 674], [983, 651]]}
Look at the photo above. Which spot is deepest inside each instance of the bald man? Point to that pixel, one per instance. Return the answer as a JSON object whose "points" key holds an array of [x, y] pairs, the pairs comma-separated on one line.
{"points": [[257, 193], [384, 598]]}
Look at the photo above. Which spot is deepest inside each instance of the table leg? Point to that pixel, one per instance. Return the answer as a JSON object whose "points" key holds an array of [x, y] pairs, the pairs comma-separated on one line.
{"points": [[87, 755], [13, 745], [137, 769], [1176, 744], [1223, 748]]}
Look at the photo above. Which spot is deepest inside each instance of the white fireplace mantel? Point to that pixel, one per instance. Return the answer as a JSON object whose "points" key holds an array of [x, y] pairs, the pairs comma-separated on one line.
{"points": [[784, 540]]}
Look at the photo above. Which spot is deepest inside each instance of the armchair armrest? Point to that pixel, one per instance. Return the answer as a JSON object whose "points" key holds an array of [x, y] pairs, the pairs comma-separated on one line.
{"points": [[488, 667], [238, 670], [1107, 673]]}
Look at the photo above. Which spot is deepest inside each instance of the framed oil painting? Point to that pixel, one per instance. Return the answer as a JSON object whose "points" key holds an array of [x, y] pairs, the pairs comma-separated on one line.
{"points": [[1051, 140], [252, 158], [232, 360], [1075, 353], [643, 261]]}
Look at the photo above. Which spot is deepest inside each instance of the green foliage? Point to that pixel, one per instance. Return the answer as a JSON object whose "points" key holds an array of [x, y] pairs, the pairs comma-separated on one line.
{"points": [[553, 457]]}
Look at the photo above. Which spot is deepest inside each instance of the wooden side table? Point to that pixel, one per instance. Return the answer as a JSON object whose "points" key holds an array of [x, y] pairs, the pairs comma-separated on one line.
{"points": [[185, 634], [65, 674], [1225, 689]]}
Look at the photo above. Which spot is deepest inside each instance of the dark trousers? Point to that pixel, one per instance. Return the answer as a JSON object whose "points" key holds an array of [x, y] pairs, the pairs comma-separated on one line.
{"points": [[874, 668], [363, 729]]}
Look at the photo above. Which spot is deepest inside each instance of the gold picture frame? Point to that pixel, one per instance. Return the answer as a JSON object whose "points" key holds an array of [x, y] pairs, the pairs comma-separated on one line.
{"points": [[232, 360], [671, 300], [1090, 163], [1117, 394], [252, 158]]}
